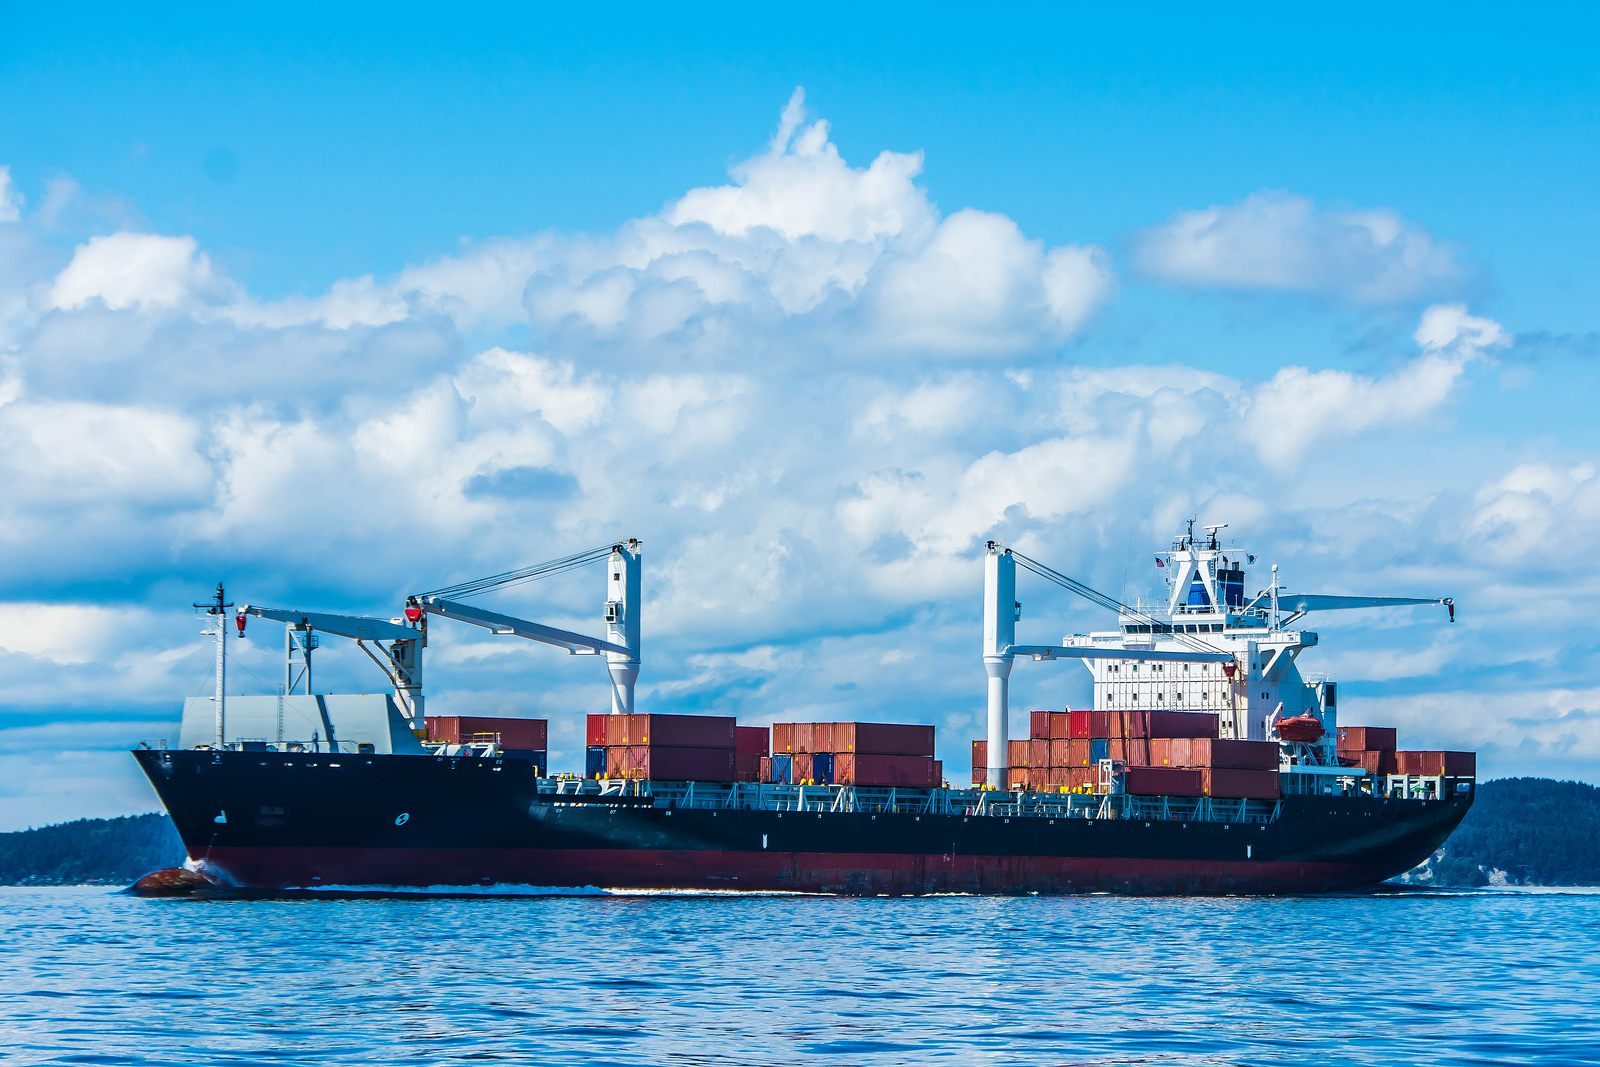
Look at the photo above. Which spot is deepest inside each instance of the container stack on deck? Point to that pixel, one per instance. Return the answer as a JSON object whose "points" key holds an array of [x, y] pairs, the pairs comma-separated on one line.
{"points": [[518, 738], [673, 748], [1374, 749], [752, 747], [854, 753], [1166, 753]]}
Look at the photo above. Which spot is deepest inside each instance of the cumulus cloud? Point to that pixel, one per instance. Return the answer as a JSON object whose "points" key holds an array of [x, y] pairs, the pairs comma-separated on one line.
{"points": [[1283, 242], [10, 197], [125, 270]]}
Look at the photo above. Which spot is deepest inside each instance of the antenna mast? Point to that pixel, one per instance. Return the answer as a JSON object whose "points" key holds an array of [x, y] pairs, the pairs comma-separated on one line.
{"points": [[218, 610]]}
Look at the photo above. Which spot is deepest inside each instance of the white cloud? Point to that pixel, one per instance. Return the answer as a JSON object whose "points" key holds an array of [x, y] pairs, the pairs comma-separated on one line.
{"points": [[1280, 241], [10, 197], [126, 270]]}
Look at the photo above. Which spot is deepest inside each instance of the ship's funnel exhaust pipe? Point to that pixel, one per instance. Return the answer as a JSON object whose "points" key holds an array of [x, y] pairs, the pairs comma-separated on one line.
{"points": [[999, 634]]}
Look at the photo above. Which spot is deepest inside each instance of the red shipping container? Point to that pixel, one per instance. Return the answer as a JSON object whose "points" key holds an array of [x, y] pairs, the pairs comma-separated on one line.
{"points": [[822, 737], [1082, 777], [1376, 764], [1236, 784], [1039, 725], [681, 731], [1235, 755], [1367, 739], [782, 737], [883, 738], [1138, 751], [1099, 724], [1127, 723], [1431, 763], [1038, 753], [751, 739], [1017, 778], [1060, 725], [662, 763], [617, 761], [1056, 777], [938, 772], [980, 753], [1060, 753], [595, 732], [800, 770], [1079, 724], [980, 776], [803, 740], [513, 732], [1017, 754], [747, 766], [616, 730], [1078, 752], [1163, 782], [1183, 724], [876, 769], [764, 774]]}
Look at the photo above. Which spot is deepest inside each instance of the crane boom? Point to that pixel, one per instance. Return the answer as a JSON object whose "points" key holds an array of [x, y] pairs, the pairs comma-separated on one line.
{"points": [[576, 644], [355, 627]]}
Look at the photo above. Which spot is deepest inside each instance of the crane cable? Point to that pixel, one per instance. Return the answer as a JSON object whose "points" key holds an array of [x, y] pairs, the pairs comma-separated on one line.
{"points": [[521, 575], [1094, 596]]}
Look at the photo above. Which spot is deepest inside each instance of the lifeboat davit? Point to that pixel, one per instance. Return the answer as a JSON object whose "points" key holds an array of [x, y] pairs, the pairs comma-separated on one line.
{"points": [[1302, 727]]}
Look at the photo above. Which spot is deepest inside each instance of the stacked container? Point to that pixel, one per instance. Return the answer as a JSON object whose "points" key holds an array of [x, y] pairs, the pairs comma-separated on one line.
{"points": [[855, 753], [1216, 768], [750, 749], [518, 738], [673, 748], [1369, 747]]}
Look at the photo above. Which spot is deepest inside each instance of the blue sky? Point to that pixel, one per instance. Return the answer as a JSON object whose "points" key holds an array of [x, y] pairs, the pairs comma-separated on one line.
{"points": [[339, 305]]}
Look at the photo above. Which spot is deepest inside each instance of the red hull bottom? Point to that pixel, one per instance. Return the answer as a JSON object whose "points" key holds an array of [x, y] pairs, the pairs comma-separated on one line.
{"points": [[853, 874]]}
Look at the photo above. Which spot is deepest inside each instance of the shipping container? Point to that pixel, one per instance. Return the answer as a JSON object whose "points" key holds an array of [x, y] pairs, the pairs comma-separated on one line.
{"points": [[782, 737], [883, 738], [752, 739], [1375, 763], [1078, 751], [616, 761], [980, 776], [800, 769], [1433, 763], [1060, 725], [1079, 724], [1060, 753], [663, 763], [1038, 753], [594, 761], [1367, 738], [1235, 755], [1099, 724], [1056, 777], [506, 731], [877, 769], [681, 731], [822, 768], [802, 738], [822, 737], [1169, 752], [782, 767], [1163, 782], [1099, 749], [1017, 754], [1017, 778], [747, 766], [535, 756], [1126, 722], [595, 733], [1039, 725], [1083, 777], [980, 753], [1226, 782], [1183, 724], [764, 771]]}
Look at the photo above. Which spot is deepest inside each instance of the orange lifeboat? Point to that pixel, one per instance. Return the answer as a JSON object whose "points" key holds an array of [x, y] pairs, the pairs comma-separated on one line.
{"points": [[1303, 727]]}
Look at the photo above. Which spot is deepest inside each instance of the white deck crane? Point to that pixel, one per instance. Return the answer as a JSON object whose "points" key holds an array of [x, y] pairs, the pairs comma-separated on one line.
{"points": [[402, 657]]}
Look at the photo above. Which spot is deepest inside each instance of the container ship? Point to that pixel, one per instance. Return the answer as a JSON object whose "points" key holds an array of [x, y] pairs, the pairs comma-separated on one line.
{"points": [[1208, 764]]}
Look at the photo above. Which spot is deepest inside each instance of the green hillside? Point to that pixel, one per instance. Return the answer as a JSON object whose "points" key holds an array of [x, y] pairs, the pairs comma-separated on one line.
{"points": [[90, 850], [1526, 831]]}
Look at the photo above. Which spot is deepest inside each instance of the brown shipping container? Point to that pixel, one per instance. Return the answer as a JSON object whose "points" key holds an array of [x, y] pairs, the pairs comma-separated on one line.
{"points": [[747, 766], [1060, 725], [1079, 724], [514, 733], [752, 739], [1057, 776], [1018, 778], [1367, 738], [980, 776], [617, 761], [1138, 749], [1163, 781], [803, 738], [1375, 763], [938, 772], [1038, 753], [681, 731], [1128, 723], [1099, 724], [980, 753], [595, 733], [1183, 724], [764, 774], [1017, 754], [1235, 755], [1430, 763], [822, 737], [1078, 751], [883, 738], [1039, 725], [876, 769], [616, 730], [782, 737], [1060, 753], [800, 770], [1235, 784], [662, 763]]}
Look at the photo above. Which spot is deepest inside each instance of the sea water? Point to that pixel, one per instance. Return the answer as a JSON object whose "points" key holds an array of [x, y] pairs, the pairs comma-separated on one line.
{"points": [[88, 976]]}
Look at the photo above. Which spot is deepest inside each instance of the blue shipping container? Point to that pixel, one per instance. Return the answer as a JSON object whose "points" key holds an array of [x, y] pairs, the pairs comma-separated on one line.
{"points": [[535, 756], [782, 769], [594, 761], [1099, 749], [822, 768]]}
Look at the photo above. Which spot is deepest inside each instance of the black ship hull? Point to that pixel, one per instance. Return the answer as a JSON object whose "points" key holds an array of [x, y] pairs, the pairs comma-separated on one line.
{"points": [[277, 821]]}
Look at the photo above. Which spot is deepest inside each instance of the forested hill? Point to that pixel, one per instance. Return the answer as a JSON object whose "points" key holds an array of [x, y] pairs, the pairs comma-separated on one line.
{"points": [[90, 850], [1522, 831]]}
